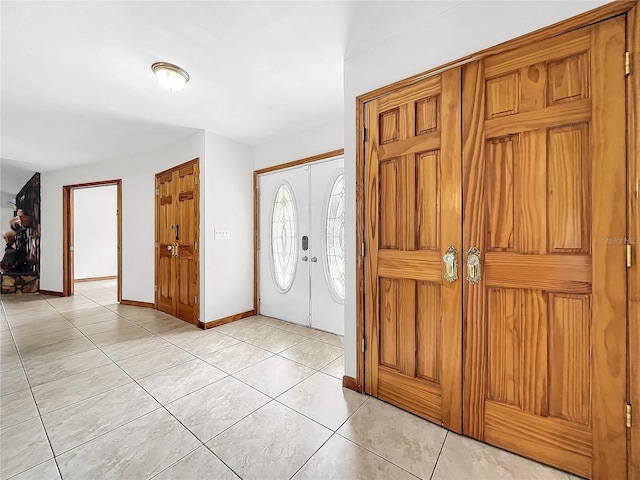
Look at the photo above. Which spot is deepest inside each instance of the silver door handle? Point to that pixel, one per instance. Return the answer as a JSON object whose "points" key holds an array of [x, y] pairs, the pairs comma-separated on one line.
{"points": [[305, 258], [314, 259]]}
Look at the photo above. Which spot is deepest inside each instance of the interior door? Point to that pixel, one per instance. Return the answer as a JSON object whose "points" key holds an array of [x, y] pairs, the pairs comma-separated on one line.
{"points": [[544, 189], [165, 224], [284, 245], [177, 225], [412, 217], [327, 204], [187, 225]]}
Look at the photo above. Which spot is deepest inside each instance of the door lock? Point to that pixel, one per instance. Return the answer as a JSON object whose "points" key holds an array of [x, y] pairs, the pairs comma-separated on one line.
{"points": [[305, 258], [314, 259]]}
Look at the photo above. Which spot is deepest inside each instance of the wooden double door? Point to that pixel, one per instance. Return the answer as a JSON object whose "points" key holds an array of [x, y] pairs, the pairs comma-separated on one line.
{"points": [[177, 231], [495, 280]]}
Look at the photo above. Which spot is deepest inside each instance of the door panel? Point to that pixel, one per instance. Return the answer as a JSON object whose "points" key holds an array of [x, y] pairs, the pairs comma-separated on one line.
{"points": [[284, 220], [545, 330], [177, 224], [327, 245], [413, 212], [166, 238], [186, 237]]}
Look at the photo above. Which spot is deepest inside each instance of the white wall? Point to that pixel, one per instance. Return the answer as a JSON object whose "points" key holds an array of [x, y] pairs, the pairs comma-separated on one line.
{"points": [[6, 214], [138, 212], [95, 247], [228, 205], [304, 144], [460, 31]]}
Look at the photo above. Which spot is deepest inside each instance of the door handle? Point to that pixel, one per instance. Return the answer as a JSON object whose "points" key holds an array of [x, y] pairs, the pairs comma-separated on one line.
{"points": [[305, 258], [450, 260], [314, 259], [473, 265]]}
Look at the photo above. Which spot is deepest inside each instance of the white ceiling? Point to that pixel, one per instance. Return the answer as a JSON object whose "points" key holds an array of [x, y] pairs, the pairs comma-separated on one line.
{"points": [[77, 87]]}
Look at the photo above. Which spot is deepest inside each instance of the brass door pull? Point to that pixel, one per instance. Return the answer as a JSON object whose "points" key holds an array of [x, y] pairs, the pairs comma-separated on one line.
{"points": [[450, 260], [473, 265]]}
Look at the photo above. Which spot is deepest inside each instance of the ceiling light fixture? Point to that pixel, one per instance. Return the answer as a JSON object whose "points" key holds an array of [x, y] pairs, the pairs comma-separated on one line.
{"points": [[170, 76]]}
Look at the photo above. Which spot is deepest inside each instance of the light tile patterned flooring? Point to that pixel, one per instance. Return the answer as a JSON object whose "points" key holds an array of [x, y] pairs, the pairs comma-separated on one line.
{"points": [[91, 389]]}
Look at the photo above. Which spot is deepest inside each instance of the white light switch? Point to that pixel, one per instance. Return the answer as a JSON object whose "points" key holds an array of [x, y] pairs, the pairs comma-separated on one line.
{"points": [[221, 235]]}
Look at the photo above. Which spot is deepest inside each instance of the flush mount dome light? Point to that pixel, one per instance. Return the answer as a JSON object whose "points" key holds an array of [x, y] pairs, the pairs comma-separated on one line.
{"points": [[170, 76]]}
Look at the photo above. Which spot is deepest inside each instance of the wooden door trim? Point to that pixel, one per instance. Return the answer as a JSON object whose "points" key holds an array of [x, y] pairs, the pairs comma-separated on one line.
{"points": [[588, 18], [633, 210], [256, 212], [68, 232], [193, 162]]}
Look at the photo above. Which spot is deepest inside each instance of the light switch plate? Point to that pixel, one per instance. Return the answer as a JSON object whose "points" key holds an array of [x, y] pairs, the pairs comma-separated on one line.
{"points": [[221, 235]]}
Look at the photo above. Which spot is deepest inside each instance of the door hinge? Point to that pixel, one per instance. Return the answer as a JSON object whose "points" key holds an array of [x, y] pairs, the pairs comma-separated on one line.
{"points": [[195, 180], [157, 191], [71, 248], [628, 246], [364, 134], [627, 63], [628, 415], [117, 212], [362, 249], [157, 245], [155, 288], [195, 245], [363, 345], [195, 299]]}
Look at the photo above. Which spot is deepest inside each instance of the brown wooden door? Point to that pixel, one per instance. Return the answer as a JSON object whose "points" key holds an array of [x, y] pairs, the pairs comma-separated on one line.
{"points": [[187, 226], [413, 214], [166, 235], [177, 260], [544, 202]]}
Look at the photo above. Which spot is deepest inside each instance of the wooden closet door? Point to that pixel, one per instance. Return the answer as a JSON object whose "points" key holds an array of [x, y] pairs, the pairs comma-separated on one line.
{"points": [[544, 202], [413, 214], [165, 265], [177, 233], [187, 225]]}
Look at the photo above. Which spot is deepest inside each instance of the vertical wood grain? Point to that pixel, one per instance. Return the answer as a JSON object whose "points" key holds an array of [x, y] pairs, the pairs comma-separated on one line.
{"points": [[390, 204], [504, 346], [569, 187], [570, 358], [475, 366], [428, 200], [371, 236], [407, 327], [451, 234], [428, 331], [609, 331], [633, 288], [427, 114], [568, 79], [535, 355], [389, 305], [503, 95], [501, 163]]}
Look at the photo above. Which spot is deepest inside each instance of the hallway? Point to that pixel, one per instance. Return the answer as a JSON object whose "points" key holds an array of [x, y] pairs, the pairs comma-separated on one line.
{"points": [[93, 389]]}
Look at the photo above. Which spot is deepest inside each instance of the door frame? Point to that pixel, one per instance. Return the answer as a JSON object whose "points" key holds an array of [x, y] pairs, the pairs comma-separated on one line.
{"points": [[68, 232], [256, 213], [632, 9], [195, 161]]}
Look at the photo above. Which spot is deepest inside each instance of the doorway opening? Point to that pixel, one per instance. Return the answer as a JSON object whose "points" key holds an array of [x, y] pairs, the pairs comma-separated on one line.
{"points": [[92, 239]]}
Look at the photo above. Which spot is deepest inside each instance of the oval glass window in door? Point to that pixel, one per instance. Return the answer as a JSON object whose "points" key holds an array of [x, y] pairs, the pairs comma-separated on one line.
{"points": [[334, 238], [283, 238]]}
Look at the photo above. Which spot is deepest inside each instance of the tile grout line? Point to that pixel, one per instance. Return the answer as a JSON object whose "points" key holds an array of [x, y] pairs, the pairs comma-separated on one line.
{"points": [[435, 465], [44, 429]]}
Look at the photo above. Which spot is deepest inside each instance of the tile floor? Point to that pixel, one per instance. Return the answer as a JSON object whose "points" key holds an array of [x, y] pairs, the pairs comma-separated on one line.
{"points": [[94, 390]]}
